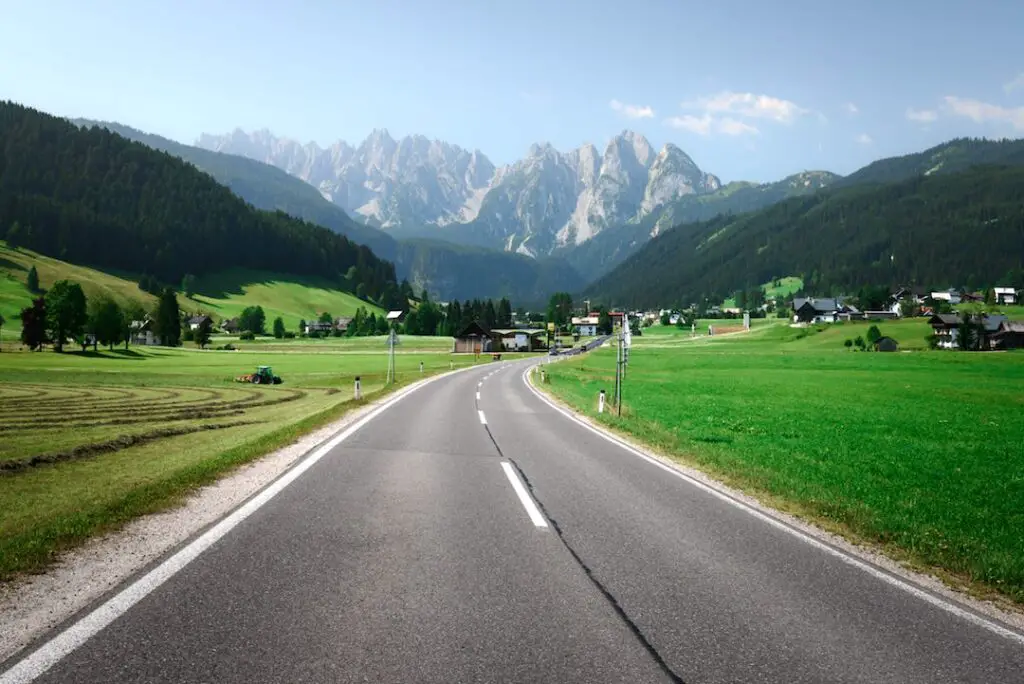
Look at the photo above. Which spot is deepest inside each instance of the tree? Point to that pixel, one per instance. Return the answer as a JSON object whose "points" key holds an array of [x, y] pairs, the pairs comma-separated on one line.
{"points": [[990, 296], [188, 285], [2, 321], [504, 313], [755, 299], [252, 319], [326, 317], [106, 321], [560, 308], [859, 342], [874, 334], [32, 280], [666, 318], [14, 235], [202, 333], [302, 326], [848, 343], [604, 321], [382, 325], [490, 315], [361, 291], [33, 324], [66, 313], [133, 312], [970, 333], [168, 319], [278, 328], [908, 309]]}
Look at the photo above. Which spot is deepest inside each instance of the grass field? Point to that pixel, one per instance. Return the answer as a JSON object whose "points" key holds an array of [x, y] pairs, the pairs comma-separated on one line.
{"points": [[89, 441], [222, 295], [225, 294], [921, 453]]}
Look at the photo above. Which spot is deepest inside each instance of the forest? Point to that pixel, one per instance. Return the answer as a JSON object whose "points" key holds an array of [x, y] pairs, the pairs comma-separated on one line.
{"points": [[92, 197], [962, 229]]}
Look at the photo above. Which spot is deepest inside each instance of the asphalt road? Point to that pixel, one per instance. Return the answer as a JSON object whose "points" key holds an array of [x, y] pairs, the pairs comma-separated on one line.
{"points": [[465, 537]]}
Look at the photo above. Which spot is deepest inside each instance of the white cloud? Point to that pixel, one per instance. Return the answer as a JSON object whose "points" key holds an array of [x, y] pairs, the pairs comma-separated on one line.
{"points": [[1015, 84], [748, 105], [983, 112], [922, 115], [864, 139], [632, 111], [706, 125], [699, 125], [851, 109]]}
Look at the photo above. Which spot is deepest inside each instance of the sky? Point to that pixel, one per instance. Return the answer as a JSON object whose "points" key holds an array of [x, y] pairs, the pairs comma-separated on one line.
{"points": [[752, 90]]}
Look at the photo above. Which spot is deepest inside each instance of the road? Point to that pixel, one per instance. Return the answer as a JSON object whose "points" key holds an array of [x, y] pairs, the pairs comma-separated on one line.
{"points": [[472, 533]]}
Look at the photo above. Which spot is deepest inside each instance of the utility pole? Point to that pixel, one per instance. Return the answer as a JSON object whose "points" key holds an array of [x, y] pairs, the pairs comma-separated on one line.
{"points": [[392, 342]]}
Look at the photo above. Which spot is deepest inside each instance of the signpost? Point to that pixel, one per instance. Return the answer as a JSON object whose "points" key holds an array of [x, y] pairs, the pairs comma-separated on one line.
{"points": [[392, 342]]}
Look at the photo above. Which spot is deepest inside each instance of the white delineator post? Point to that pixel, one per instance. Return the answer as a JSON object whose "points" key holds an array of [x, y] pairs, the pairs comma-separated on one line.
{"points": [[600, 402], [358, 392], [421, 368]]}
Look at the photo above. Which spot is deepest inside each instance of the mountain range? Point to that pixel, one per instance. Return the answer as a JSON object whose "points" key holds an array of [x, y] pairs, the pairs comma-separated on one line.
{"points": [[546, 202]]}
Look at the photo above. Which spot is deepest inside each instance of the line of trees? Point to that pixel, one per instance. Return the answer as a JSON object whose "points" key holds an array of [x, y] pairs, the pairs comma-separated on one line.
{"points": [[64, 313]]}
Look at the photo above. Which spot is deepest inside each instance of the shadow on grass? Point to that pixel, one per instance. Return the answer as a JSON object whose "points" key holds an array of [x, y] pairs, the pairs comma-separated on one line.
{"points": [[231, 282], [12, 265]]}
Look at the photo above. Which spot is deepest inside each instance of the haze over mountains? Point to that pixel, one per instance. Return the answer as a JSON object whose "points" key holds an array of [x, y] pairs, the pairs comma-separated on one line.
{"points": [[546, 201]]}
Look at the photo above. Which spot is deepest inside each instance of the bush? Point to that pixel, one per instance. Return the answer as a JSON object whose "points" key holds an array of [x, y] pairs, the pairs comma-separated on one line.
{"points": [[859, 342], [247, 335], [227, 347], [289, 334], [187, 335], [848, 343], [874, 334], [315, 334]]}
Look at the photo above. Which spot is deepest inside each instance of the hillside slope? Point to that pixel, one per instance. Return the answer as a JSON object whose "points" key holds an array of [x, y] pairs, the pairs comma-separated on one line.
{"points": [[89, 196], [222, 295], [963, 229], [263, 186]]}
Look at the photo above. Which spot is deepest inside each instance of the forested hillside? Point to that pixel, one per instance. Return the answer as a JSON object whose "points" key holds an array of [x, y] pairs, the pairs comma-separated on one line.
{"points": [[263, 186], [90, 196], [957, 155], [447, 270], [962, 229], [612, 246]]}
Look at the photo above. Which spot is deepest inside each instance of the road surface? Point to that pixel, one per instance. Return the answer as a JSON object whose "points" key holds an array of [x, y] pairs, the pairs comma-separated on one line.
{"points": [[472, 533]]}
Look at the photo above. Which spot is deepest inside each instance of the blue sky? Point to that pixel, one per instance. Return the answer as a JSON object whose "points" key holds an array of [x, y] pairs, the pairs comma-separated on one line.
{"points": [[749, 90]]}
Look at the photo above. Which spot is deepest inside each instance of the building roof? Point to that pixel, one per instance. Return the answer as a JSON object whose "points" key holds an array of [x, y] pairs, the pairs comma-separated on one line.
{"points": [[945, 319], [474, 329], [394, 315], [508, 332], [1003, 290], [993, 321], [884, 338], [198, 319], [824, 305], [1012, 327]]}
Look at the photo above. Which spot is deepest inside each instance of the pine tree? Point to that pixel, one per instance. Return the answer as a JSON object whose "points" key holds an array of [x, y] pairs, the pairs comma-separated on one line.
{"points": [[188, 285], [278, 327], [32, 280], [14, 235], [203, 332], [168, 319], [33, 324]]}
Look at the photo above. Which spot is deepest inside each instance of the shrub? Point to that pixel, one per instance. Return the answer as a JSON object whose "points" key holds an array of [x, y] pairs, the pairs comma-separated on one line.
{"points": [[848, 343], [247, 335], [289, 334]]}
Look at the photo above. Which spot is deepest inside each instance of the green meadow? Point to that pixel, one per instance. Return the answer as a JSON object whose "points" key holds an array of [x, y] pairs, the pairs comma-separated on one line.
{"points": [[920, 453]]}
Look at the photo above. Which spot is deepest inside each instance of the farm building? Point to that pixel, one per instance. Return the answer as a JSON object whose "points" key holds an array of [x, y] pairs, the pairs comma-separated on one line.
{"points": [[886, 344], [473, 339], [230, 325], [195, 321], [587, 325], [826, 310], [513, 339], [141, 333], [1010, 335], [1005, 295]]}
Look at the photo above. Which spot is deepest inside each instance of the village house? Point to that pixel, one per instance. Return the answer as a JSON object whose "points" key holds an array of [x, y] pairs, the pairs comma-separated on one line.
{"points": [[341, 323], [1009, 335], [395, 317], [1005, 295], [517, 339], [913, 295], [230, 325], [195, 321], [823, 310], [587, 325], [473, 339], [318, 327], [946, 328], [951, 296], [141, 333]]}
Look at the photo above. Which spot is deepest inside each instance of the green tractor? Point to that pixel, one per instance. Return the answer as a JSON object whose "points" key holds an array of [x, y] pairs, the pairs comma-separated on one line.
{"points": [[264, 375]]}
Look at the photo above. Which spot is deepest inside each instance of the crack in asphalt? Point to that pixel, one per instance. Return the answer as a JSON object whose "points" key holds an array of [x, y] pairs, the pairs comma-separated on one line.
{"points": [[608, 595]]}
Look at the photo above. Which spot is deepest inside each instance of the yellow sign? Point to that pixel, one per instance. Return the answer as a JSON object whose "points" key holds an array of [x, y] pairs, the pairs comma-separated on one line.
{"points": [[551, 327]]}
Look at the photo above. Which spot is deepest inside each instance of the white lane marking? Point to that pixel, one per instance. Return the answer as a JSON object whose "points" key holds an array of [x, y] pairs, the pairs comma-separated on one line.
{"points": [[50, 653], [483, 421], [478, 396], [480, 384], [878, 573], [524, 496]]}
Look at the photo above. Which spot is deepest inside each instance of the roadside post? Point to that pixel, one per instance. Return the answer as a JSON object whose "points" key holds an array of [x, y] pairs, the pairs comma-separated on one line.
{"points": [[421, 368], [357, 393], [600, 402]]}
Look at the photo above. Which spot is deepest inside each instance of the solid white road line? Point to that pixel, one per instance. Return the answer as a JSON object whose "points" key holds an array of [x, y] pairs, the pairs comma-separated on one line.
{"points": [[50, 653], [483, 421], [524, 496], [478, 396], [878, 573]]}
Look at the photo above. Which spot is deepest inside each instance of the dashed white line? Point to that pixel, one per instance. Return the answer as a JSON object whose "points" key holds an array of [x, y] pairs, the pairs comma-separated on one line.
{"points": [[483, 421], [478, 396], [524, 496]]}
